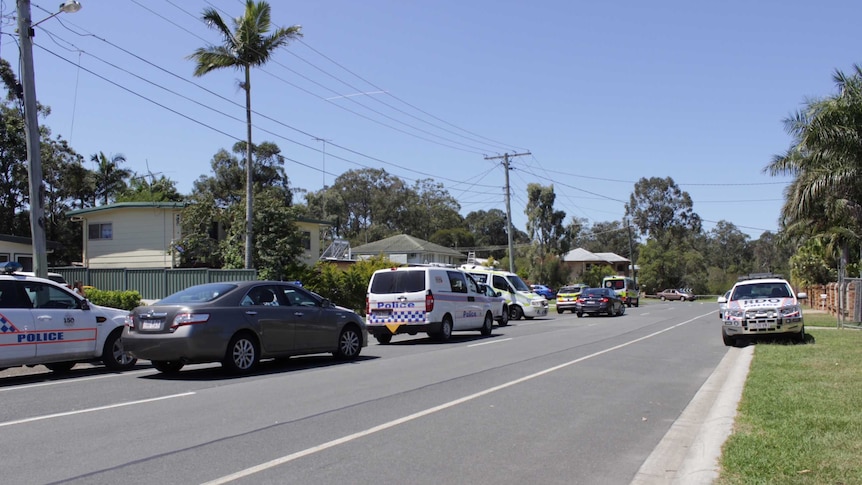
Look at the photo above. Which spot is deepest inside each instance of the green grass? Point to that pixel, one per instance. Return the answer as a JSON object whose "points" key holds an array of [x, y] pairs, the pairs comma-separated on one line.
{"points": [[800, 417]]}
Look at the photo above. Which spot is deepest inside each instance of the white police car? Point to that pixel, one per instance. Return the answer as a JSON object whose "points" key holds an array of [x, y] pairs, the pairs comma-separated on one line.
{"points": [[762, 305], [43, 322]]}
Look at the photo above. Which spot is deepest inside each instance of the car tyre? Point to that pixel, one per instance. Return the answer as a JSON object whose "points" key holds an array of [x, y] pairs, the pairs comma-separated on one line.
{"points": [[487, 325], [383, 338], [663, 298], [515, 312], [799, 338], [504, 317], [637, 302], [114, 356], [622, 311], [728, 340], [682, 298], [168, 366], [560, 310], [579, 314], [445, 332], [60, 366], [242, 353], [349, 344]]}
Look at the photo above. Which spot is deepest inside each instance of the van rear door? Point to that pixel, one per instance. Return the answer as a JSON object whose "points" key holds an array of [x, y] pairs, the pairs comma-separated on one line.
{"points": [[396, 297]]}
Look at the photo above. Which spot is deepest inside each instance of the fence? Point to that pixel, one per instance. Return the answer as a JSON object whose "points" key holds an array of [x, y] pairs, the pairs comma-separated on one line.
{"points": [[844, 300], [152, 284]]}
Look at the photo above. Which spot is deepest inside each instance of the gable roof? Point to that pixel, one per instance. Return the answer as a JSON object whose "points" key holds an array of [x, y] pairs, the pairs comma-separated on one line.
{"points": [[582, 255], [27, 241], [403, 243], [128, 205]]}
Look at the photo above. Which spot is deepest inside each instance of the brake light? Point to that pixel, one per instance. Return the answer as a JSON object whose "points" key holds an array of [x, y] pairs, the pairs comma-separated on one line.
{"points": [[605, 300], [189, 319], [367, 305], [429, 301]]}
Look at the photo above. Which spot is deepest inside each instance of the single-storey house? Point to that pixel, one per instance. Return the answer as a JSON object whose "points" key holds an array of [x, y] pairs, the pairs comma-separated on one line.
{"points": [[406, 249], [20, 249], [579, 261], [144, 235]]}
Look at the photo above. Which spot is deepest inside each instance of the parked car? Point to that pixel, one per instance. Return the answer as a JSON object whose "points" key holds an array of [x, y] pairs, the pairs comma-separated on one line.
{"points": [[763, 305], [240, 323], [599, 301], [44, 322], [545, 291], [722, 303], [499, 307], [676, 294], [568, 295]]}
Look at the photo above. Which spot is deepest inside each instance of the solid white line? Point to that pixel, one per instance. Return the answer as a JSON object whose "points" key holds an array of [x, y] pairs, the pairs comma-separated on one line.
{"points": [[90, 410], [391, 424], [73, 380], [491, 342]]}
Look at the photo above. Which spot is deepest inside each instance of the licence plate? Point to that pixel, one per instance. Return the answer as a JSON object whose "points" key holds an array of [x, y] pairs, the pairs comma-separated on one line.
{"points": [[151, 325], [383, 312], [758, 325]]}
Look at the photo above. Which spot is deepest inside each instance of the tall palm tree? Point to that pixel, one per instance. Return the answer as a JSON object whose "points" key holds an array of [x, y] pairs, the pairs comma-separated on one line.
{"points": [[110, 178], [245, 47]]}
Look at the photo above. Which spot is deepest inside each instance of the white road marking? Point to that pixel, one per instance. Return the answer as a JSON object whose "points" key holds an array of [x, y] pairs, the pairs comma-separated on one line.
{"points": [[73, 380], [489, 343], [391, 424], [90, 410]]}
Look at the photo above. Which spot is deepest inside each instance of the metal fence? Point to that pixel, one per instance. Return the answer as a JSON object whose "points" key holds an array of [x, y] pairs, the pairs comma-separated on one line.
{"points": [[152, 284]]}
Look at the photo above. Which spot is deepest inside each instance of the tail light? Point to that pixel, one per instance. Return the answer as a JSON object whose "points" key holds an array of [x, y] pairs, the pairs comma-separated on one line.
{"points": [[605, 300], [429, 301], [367, 306], [189, 319]]}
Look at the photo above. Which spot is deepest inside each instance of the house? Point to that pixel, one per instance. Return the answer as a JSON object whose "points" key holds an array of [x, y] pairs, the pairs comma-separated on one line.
{"points": [[20, 249], [579, 261], [144, 234], [409, 250]]}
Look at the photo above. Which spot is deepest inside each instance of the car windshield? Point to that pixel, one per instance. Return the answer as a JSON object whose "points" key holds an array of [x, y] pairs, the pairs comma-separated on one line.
{"points": [[761, 290], [198, 294], [518, 283]]}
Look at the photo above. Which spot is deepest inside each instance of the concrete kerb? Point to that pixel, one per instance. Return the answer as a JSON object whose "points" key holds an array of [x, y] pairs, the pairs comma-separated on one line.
{"points": [[689, 452]]}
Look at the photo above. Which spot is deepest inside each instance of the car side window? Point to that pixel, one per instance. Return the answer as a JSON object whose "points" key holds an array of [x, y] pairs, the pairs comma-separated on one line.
{"points": [[500, 283], [50, 297], [472, 285], [457, 281], [297, 297], [11, 297]]}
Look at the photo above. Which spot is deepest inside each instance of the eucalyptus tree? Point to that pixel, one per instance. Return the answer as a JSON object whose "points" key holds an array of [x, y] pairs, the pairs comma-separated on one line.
{"points": [[249, 45]]}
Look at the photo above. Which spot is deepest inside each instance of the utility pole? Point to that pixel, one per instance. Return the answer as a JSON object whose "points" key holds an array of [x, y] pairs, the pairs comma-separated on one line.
{"points": [[631, 251], [505, 158], [324, 140]]}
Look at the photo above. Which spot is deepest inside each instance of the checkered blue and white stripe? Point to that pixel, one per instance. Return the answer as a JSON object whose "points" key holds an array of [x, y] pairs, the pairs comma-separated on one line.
{"points": [[6, 326], [402, 316]]}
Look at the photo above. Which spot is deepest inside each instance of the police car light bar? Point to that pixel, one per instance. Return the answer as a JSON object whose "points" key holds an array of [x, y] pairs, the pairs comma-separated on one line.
{"points": [[10, 267]]}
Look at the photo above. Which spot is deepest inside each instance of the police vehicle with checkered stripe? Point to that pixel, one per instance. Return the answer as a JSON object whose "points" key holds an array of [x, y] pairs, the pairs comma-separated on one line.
{"points": [[431, 299], [43, 322]]}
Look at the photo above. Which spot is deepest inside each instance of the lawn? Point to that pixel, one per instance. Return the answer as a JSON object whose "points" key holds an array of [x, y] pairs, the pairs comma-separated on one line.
{"points": [[800, 417]]}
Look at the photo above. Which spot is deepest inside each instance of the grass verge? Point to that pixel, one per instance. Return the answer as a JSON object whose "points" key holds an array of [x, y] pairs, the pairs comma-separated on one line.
{"points": [[800, 417]]}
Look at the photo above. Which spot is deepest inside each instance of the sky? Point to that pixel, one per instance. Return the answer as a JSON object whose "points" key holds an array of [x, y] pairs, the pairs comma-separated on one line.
{"points": [[589, 97]]}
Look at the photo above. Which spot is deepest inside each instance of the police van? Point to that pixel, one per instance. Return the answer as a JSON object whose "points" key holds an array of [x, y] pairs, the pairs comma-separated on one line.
{"points": [[523, 302], [434, 300], [44, 322], [625, 288]]}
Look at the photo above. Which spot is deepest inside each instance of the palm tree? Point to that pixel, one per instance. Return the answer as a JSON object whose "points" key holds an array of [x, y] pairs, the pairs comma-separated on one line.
{"points": [[110, 178], [247, 46]]}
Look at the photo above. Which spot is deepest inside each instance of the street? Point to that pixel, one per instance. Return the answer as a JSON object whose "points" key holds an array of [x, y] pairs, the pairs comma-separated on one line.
{"points": [[552, 400]]}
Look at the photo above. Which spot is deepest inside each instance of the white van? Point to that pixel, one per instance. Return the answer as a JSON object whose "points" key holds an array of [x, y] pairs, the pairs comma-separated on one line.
{"points": [[523, 303], [625, 288], [417, 299]]}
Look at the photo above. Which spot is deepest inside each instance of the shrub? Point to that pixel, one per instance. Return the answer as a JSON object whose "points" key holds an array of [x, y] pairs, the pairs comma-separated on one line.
{"points": [[124, 300]]}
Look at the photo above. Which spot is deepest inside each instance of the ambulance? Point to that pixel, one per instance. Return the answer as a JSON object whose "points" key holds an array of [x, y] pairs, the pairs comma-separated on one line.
{"points": [[44, 322], [431, 299], [522, 301], [625, 288]]}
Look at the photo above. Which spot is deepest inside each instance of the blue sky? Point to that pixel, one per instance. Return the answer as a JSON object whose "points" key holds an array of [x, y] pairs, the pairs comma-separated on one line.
{"points": [[600, 93]]}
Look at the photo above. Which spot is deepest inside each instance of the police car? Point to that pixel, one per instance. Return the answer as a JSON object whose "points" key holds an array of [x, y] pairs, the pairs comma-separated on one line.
{"points": [[43, 322], [761, 305]]}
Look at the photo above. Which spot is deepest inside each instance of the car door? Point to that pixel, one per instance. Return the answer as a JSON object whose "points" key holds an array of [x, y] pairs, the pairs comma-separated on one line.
{"points": [[266, 309], [16, 322], [63, 328], [316, 327], [467, 312]]}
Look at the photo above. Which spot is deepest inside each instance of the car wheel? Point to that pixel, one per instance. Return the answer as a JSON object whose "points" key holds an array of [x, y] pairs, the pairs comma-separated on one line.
{"points": [[168, 366], [579, 314], [114, 356], [60, 366], [445, 330], [663, 298], [728, 340], [504, 317], [622, 310], [515, 312], [682, 298], [799, 338], [242, 353], [487, 325], [560, 310], [383, 338], [637, 302], [349, 344]]}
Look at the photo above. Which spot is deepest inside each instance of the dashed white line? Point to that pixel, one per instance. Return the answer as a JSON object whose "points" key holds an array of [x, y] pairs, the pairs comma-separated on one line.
{"points": [[491, 342]]}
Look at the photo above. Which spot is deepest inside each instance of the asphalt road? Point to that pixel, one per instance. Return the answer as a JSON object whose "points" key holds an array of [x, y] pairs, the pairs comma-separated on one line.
{"points": [[552, 400]]}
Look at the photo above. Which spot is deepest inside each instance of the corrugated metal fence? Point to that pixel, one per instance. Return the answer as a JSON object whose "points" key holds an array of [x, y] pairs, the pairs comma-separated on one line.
{"points": [[152, 284]]}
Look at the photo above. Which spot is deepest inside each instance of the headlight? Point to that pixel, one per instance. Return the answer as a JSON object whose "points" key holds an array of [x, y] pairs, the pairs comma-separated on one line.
{"points": [[792, 311], [735, 313]]}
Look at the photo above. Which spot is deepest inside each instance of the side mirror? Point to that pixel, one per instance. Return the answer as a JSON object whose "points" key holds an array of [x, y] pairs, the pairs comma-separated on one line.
{"points": [[802, 296], [722, 299], [498, 293], [85, 304]]}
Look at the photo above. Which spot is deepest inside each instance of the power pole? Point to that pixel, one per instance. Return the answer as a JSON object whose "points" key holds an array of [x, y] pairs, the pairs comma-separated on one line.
{"points": [[324, 140], [505, 158]]}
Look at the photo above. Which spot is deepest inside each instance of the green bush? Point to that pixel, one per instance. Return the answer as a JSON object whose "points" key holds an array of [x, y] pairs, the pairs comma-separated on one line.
{"points": [[346, 287], [125, 300]]}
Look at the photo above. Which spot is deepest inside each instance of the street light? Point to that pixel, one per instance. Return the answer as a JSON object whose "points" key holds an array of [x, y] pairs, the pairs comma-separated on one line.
{"points": [[31, 131]]}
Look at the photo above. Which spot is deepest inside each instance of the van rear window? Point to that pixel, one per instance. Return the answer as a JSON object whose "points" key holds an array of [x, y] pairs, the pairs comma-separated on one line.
{"points": [[398, 282]]}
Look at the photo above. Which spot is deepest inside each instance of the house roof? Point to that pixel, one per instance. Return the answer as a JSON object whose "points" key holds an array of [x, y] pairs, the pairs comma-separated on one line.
{"points": [[582, 255], [26, 240], [128, 205], [403, 243]]}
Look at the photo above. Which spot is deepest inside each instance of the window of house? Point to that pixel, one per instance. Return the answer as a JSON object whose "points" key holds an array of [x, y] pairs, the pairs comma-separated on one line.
{"points": [[103, 230], [306, 240], [4, 257]]}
